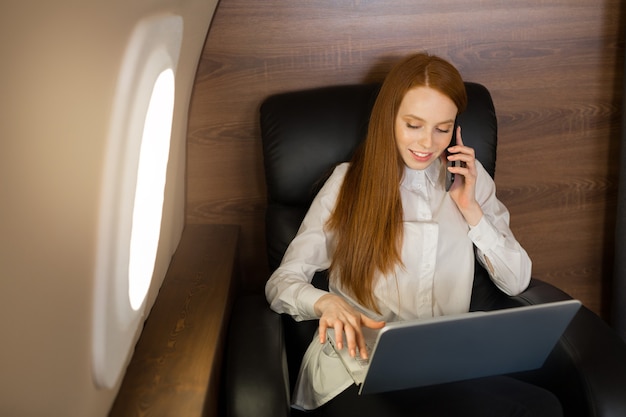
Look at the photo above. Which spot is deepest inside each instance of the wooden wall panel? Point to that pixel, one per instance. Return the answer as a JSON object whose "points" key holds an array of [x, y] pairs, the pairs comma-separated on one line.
{"points": [[554, 69]]}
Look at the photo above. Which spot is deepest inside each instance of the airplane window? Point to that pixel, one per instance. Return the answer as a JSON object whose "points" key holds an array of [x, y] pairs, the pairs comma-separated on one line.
{"points": [[151, 175], [133, 192]]}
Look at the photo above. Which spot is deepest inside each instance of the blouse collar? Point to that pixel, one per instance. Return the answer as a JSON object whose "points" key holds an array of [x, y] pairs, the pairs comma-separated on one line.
{"points": [[413, 178]]}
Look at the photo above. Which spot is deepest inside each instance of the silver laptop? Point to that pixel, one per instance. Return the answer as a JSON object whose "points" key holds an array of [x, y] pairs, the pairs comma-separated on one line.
{"points": [[409, 354]]}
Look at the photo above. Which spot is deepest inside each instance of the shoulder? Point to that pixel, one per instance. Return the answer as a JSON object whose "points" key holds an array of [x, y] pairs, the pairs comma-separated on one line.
{"points": [[338, 175], [332, 185], [341, 169]]}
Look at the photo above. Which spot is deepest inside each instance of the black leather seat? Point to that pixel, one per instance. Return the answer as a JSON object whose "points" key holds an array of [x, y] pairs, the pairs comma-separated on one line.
{"points": [[305, 134]]}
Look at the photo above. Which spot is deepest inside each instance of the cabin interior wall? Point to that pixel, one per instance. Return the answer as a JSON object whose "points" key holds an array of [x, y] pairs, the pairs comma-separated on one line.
{"points": [[554, 69], [61, 62]]}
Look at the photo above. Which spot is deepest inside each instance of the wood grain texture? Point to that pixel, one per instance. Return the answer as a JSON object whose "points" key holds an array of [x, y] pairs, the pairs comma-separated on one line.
{"points": [[175, 369], [554, 68]]}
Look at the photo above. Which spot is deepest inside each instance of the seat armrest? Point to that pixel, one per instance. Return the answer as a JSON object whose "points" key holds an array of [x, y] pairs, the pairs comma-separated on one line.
{"points": [[589, 361], [256, 378], [540, 292], [599, 356], [587, 369]]}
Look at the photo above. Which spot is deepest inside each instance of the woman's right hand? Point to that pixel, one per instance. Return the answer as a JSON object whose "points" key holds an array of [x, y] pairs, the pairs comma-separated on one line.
{"points": [[336, 313]]}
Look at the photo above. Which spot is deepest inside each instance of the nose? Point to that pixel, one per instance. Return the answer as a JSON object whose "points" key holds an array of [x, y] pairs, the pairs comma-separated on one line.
{"points": [[426, 140]]}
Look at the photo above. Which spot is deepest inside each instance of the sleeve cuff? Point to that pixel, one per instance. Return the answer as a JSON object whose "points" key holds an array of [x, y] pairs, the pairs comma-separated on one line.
{"points": [[307, 299]]}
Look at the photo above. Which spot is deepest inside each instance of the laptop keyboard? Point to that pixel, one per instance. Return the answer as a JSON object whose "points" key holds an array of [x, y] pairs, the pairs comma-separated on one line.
{"points": [[365, 362], [361, 361]]}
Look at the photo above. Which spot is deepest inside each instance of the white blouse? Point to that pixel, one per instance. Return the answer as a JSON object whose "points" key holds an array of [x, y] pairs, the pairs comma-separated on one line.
{"points": [[436, 278]]}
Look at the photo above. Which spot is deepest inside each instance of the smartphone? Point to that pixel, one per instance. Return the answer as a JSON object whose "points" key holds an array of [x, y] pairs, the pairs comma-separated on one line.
{"points": [[449, 175]]}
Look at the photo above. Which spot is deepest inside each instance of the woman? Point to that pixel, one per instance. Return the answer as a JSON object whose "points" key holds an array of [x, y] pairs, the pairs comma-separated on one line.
{"points": [[398, 246]]}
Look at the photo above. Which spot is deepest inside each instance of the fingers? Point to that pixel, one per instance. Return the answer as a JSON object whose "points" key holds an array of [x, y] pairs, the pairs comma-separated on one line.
{"points": [[371, 323], [460, 146], [362, 346], [343, 330], [352, 335], [463, 154], [322, 331], [458, 140], [349, 328], [463, 189], [346, 323]]}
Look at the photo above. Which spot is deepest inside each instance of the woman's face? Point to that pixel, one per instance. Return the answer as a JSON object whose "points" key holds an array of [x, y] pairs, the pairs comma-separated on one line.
{"points": [[423, 126]]}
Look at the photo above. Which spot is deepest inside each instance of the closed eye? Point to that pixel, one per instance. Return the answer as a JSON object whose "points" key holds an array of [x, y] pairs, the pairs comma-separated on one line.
{"points": [[410, 126], [445, 127]]}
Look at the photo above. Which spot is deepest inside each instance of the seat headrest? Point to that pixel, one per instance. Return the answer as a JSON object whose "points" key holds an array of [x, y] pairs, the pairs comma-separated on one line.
{"points": [[306, 133]]}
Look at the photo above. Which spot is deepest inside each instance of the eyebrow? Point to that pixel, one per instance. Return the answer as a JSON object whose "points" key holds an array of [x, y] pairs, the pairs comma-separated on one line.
{"points": [[412, 116]]}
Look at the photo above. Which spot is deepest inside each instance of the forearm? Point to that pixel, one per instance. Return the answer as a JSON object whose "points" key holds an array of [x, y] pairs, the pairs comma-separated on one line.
{"points": [[292, 295], [508, 264]]}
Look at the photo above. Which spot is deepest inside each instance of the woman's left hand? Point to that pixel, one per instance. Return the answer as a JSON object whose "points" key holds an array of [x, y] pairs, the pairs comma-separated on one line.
{"points": [[463, 190]]}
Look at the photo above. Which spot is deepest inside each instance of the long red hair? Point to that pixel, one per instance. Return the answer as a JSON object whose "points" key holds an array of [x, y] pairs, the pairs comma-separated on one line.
{"points": [[367, 219]]}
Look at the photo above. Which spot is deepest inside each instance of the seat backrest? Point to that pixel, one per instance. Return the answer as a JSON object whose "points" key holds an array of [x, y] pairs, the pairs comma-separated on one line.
{"points": [[305, 134]]}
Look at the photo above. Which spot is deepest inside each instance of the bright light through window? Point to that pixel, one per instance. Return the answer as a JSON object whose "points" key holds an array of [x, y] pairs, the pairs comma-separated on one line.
{"points": [[151, 175]]}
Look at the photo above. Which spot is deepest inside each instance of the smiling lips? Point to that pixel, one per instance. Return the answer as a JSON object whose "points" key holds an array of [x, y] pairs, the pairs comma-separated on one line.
{"points": [[421, 156]]}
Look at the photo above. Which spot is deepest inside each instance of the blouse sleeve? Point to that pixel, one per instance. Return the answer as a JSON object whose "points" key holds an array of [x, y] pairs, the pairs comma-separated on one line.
{"points": [[289, 289], [508, 264]]}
